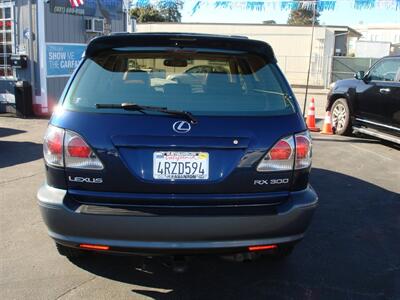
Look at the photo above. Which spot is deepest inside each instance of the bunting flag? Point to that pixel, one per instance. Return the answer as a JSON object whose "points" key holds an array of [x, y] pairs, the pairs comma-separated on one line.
{"points": [[321, 5]]}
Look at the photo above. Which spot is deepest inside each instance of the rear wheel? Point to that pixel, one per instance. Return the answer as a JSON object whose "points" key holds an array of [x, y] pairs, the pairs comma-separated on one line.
{"points": [[69, 252], [341, 117]]}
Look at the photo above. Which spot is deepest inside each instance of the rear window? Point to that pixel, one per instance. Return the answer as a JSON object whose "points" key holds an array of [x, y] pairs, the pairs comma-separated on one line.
{"points": [[225, 84]]}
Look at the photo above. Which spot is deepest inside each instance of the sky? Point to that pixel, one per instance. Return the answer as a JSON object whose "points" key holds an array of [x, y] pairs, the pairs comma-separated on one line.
{"points": [[344, 14]]}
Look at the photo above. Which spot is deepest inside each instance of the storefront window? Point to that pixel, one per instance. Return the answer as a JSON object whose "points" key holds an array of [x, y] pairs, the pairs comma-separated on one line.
{"points": [[6, 40]]}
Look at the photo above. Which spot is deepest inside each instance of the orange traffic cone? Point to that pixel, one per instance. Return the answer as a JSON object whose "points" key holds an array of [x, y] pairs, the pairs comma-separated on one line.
{"points": [[327, 128], [311, 117]]}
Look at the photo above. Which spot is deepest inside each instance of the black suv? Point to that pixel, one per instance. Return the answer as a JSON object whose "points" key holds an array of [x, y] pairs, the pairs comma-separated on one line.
{"points": [[370, 103]]}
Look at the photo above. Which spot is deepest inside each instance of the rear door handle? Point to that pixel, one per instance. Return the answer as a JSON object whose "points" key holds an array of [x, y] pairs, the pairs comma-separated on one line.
{"points": [[384, 91]]}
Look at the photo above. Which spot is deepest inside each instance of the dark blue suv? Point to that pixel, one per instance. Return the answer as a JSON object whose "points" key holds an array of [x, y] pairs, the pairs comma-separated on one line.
{"points": [[137, 162]]}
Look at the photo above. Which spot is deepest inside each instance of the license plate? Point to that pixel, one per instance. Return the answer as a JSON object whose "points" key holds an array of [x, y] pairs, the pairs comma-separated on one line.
{"points": [[180, 165]]}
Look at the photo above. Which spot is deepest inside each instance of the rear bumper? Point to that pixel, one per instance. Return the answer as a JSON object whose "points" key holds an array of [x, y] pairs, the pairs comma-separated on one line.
{"points": [[176, 233]]}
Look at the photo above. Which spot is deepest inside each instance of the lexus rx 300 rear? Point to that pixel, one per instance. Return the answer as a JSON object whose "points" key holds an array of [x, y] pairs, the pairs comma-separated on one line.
{"points": [[139, 163]]}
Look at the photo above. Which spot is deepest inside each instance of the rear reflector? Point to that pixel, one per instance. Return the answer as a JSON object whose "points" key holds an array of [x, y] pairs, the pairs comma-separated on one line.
{"points": [[261, 248], [94, 247]]}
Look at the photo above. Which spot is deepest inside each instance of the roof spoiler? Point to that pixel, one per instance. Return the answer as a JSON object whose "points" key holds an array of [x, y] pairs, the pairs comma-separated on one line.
{"points": [[179, 40]]}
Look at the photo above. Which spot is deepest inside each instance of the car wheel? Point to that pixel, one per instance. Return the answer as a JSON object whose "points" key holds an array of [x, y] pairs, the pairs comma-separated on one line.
{"points": [[69, 252], [341, 117]]}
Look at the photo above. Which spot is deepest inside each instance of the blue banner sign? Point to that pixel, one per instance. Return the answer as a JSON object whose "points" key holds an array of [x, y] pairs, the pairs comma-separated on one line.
{"points": [[62, 59]]}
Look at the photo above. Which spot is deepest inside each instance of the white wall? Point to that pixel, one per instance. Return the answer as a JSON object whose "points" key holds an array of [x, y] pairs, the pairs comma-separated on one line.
{"points": [[380, 33], [372, 49], [291, 45], [328, 54]]}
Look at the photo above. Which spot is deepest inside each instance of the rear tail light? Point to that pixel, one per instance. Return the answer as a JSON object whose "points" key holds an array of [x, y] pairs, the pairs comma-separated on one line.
{"points": [[66, 148], [303, 150], [280, 157], [288, 153], [53, 146], [78, 154]]}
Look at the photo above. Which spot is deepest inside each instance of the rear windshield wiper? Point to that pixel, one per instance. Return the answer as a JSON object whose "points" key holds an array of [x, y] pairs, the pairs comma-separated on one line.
{"points": [[136, 107]]}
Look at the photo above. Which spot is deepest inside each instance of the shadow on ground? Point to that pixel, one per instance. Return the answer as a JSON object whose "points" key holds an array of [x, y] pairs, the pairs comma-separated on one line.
{"points": [[9, 131], [15, 153], [351, 251]]}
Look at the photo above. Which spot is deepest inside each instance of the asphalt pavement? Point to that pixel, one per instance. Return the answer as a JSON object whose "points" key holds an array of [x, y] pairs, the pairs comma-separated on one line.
{"points": [[351, 251]]}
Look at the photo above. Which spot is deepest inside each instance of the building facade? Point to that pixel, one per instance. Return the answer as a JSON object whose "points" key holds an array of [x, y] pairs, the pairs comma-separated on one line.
{"points": [[42, 42], [378, 40], [380, 32]]}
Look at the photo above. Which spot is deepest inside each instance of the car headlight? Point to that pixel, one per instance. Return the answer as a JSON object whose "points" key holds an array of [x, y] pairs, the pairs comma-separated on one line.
{"points": [[332, 85]]}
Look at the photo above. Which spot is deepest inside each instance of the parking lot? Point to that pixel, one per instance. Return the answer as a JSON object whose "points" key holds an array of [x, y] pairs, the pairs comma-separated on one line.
{"points": [[351, 250]]}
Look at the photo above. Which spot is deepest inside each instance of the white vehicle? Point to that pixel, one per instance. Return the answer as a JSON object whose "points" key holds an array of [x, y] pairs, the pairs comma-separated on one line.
{"points": [[196, 75]]}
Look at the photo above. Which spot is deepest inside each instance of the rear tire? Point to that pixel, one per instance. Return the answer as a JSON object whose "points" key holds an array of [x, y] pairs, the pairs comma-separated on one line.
{"points": [[341, 117], [69, 252]]}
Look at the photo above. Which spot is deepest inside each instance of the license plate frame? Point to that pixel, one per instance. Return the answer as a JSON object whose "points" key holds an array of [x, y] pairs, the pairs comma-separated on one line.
{"points": [[183, 165]]}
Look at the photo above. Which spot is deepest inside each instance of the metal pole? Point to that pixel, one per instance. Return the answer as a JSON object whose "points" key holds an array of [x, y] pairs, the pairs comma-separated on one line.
{"points": [[309, 58], [31, 54], [4, 47]]}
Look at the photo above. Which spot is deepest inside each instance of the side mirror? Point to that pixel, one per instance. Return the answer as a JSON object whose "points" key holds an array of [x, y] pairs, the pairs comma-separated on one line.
{"points": [[359, 75]]}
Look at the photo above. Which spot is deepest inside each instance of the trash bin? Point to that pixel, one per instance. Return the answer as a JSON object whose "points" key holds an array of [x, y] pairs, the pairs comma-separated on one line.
{"points": [[3, 107], [23, 99]]}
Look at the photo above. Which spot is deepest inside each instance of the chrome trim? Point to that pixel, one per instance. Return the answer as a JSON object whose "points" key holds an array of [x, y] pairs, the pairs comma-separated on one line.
{"points": [[378, 124], [382, 136]]}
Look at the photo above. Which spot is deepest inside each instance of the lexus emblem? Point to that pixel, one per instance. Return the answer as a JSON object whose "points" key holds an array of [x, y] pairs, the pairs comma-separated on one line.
{"points": [[181, 127]]}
